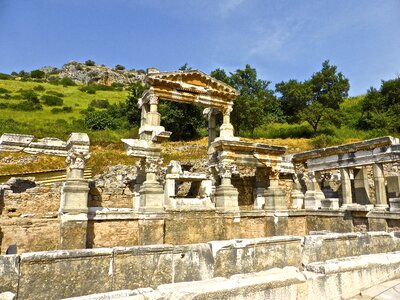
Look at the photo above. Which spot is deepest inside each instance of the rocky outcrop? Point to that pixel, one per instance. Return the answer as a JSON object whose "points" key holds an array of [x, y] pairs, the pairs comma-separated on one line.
{"points": [[99, 74]]}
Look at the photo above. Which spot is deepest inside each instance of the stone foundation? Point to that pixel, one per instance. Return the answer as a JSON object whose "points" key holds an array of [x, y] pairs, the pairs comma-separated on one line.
{"points": [[238, 268]]}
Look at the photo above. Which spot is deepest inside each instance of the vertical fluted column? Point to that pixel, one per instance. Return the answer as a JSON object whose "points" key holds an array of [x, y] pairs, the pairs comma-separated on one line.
{"points": [[346, 187], [380, 190]]}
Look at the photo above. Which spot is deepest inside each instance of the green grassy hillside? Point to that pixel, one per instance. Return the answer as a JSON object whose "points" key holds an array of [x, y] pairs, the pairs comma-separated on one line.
{"points": [[73, 97]]}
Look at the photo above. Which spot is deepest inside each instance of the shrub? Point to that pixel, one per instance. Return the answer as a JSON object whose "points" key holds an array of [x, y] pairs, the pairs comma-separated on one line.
{"points": [[53, 80], [119, 67], [88, 89], [51, 100], [37, 74], [4, 76], [323, 141], [29, 95], [99, 120], [3, 105], [39, 88], [5, 96], [4, 91], [54, 93], [64, 109], [26, 106], [66, 81], [90, 62], [99, 103]]}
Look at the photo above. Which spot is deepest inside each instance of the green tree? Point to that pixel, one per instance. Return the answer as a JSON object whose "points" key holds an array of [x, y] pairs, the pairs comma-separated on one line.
{"points": [[381, 108], [329, 89], [119, 67], [90, 62], [256, 104], [37, 74], [294, 97]]}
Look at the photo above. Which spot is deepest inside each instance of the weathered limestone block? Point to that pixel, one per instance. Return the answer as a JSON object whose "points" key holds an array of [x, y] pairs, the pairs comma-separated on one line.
{"points": [[394, 204], [73, 231], [142, 266], [330, 203], [332, 245], [361, 186], [393, 186], [254, 255], [9, 268], [347, 277], [66, 273], [151, 229], [286, 283]]}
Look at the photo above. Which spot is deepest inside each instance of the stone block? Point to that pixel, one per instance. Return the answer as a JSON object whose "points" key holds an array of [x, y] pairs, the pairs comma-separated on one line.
{"points": [[73, 231], [143, 266], [332, 245], [330, 203], [61, 274], [151, 230], [394, 204], [393, 186], [254, 255], [9, 267]]}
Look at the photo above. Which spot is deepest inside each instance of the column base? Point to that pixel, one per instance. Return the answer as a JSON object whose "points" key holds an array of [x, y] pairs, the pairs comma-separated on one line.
{"points": [[274, 199], [73, 231], [312, 199], [151, 197], [381, 207], [226, 198], [394, 204], [297, 199], [74, 196]]}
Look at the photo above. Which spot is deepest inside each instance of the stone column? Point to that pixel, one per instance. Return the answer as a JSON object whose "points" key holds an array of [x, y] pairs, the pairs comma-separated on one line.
{"points": [[151, 191], [226, 129], [140, 178], [226, 195], [313, 195], [361, 186], [274, 195], [150, 122], [259, 188], [346, 187], [297, 195], [74, 195], [380, 190]]}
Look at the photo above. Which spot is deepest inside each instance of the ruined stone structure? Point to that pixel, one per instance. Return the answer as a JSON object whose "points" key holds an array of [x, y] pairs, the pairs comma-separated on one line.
{"points": [[343, 189]]}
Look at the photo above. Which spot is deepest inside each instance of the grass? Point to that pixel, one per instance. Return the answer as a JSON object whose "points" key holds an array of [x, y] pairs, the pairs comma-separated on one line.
{"points": [[72, 97]]}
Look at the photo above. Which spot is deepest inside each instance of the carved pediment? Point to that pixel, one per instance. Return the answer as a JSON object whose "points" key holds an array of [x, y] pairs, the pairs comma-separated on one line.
{"points": [[193, 81]]}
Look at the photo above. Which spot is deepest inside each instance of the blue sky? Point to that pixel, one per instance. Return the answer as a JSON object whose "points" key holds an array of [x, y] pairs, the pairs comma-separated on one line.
{"points": [[282, 39]]}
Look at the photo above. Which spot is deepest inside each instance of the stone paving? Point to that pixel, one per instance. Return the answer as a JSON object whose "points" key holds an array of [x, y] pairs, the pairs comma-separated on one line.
{"points": [[389, 290]]}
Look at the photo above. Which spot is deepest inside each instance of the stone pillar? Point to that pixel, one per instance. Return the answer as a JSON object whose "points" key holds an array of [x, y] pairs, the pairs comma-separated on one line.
{"points": [[346, 187], [150, 118], [74, 195], [226, 195], [274, 195], [259, 188], [226, 129], [393, 186], [151, 191], [380, 190], [296, 195], [173, 171], [361, 186], [313, 195], [140, 178]]}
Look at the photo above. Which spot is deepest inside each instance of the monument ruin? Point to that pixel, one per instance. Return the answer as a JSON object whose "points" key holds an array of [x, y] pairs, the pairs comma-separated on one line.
{"points": [[295, 221]]}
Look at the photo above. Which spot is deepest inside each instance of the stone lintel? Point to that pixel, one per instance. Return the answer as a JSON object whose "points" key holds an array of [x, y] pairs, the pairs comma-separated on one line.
{"points": [[377, 214], [346, 148]]}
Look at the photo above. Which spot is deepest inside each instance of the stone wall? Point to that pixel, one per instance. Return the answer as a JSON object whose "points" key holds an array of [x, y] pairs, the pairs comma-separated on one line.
{"points": [[83, 272], [29, 218]]}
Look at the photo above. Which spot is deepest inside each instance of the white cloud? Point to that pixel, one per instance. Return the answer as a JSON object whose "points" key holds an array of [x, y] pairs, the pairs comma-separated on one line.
{"points": [[228, 6]]}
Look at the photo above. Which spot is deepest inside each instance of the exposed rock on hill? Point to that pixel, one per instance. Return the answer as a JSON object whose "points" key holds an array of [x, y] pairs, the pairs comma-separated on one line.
{"points": [[99, 74]]}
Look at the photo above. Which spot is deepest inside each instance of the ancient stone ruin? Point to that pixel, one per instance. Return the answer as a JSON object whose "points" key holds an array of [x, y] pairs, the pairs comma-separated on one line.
{"points": [[255, 222]]}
